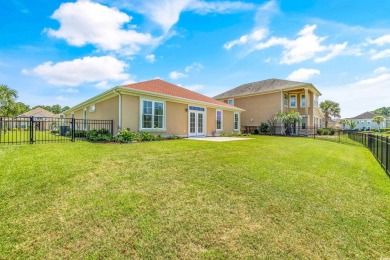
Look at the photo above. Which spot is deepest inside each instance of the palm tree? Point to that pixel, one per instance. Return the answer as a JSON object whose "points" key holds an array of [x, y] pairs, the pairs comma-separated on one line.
{"points": [[351, 124], [378, 120], [288, 119], [330, 108], [343, 122], [7, 101]]}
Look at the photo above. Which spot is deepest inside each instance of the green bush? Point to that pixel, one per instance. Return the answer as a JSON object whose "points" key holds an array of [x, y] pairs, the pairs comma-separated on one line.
{"points": [[264, 128], [99, 135], [320, 131], [325, 131], [145, 137], [385, 129], [54, 132], [126, 136]]}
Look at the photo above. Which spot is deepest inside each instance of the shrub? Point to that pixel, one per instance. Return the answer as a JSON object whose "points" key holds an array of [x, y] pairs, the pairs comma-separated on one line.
{"points": [[100, 135], [77, 133], [126, 136], [54, 132], [256, 131], [385, 129], [145, 137], [264, 128], [320, 131]]}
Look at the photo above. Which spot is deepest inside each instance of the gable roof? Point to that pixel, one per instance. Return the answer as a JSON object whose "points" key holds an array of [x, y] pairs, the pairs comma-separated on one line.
{"points": [[37, 112], [165, 88], [365, 115], [264, 86]]}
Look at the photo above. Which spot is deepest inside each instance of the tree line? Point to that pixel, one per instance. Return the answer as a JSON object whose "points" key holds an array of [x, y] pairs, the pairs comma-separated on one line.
{"points": [[9, 107]]}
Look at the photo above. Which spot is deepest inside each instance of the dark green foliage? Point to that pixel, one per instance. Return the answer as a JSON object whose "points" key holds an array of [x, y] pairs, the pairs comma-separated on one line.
{"points": [[126, 136], [325, 131], [264, 128], [100, 135], [145, 137]]}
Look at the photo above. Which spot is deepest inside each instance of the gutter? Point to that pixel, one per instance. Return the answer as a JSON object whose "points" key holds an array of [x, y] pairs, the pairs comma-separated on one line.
{"points": [[119, 109]]}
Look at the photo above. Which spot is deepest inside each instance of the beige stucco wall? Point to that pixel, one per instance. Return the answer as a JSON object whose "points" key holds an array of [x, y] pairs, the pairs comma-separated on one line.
{"points": [[211, 121], [130, 112], [260, 108], [176, 118], [228, 121]]}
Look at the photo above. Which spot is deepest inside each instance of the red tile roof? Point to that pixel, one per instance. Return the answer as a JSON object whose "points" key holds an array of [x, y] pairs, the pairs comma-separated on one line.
{"points": [[162, 87]]}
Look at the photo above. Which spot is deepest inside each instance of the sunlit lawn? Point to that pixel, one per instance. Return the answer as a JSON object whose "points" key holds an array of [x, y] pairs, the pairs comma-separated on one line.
{"points": [[270, 197]]}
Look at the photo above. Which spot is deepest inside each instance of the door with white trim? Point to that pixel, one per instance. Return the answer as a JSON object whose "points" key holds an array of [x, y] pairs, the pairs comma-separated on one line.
{"points": [[196, 122]]}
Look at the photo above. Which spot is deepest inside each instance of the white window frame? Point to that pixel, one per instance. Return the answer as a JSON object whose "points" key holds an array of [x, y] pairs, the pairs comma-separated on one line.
{"points": [[285, 99], [315, 101], [216, 120], [141, 111], [231, 101], [302, 99], [296, 100], [238, 121]]}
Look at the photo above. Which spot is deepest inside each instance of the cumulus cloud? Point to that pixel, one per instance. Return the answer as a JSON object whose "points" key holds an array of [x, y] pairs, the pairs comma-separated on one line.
{"points": [[166, 13], [85, 22], [385, 39], [193, 67], [376, 55], [262, 19], [303, 74], [150, 58], [177, 75], [363, 95], [79, 71]]}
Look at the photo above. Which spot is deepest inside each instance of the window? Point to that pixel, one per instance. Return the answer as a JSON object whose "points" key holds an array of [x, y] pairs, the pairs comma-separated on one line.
{"points": [[92, 108], [315, 100], [236, 121], [316, 122], [293, 100], [357, 122], [303, 100], [152, 114], [231, 102], [196, 108], [219, 120], [368, 122], [285, 100], [304, 122]]}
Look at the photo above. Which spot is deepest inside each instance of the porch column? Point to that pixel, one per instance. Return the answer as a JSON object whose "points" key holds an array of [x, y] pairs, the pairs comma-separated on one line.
{"points": [[307, 109], [282, 101]]}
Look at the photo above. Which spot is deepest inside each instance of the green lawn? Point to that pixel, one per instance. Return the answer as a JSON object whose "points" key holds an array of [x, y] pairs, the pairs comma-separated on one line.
{"points": [[270, 197], [23, 136]]}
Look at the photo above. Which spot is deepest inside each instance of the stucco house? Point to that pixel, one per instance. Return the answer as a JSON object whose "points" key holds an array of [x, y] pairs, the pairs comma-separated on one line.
{"points": [[41, 119], [263, 99], [364, 122], [162, 108]]}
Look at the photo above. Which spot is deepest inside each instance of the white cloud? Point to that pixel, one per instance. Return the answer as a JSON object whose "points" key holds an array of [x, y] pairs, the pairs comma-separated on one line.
{"points": [[78, 71], [364, 95], [166, 13], [376, 55], [177, 75], [262, 19], [381, 70], [194, 67], [150, 58], [85, 22], [102, 85], [303, 74], [195, 87], [385, 39]]}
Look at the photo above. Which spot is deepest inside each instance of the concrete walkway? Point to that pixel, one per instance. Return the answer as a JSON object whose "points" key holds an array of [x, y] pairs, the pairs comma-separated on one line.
{"points": [[219, 139]]}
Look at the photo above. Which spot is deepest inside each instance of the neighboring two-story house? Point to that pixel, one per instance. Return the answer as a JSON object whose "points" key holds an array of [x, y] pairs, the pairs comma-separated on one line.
{"points": [[263, 99], [364, 122]]}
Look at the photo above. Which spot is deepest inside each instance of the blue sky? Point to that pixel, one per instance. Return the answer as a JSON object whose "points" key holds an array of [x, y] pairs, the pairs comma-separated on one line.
{"points": [[67, 51]]}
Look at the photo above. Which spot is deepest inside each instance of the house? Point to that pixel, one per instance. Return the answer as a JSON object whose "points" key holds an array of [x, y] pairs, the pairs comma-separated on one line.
{"points": [[42, 118], [364, 122], [162, 108], [263, 99]]}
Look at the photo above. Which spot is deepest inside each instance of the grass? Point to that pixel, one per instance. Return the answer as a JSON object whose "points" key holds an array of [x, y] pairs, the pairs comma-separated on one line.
{"points": [[23, 136], [270, 197]]}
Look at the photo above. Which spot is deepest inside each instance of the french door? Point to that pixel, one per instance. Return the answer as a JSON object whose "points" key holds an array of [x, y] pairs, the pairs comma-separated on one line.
{"points": [[196, 123]]}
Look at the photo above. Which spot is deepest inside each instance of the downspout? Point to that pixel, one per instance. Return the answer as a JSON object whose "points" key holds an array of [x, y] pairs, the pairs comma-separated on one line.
{"points": [[119, 109]]}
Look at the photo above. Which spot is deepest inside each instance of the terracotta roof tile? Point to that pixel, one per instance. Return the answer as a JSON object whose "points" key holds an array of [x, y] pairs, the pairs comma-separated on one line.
{"points": [[162, 87]]}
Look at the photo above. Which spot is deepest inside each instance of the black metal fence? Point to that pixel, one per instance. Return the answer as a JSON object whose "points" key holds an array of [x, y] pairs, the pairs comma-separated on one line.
{"points": [[20, 130], [377, 144]]}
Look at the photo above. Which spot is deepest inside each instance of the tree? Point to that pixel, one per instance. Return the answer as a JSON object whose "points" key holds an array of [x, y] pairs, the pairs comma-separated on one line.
{"points": [[288, 119], [351, 124], [378, 120], [7, 101], [56, 109], [330, 108], [343, 122], [65, 108], [384, 111]]}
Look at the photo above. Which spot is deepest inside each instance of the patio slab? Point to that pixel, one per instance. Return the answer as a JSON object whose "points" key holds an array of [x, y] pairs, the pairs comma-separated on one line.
{"points": [[218, 139]]}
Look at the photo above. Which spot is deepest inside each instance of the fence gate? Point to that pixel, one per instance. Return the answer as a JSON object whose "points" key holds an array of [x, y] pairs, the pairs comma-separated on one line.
{"points": [[21, 130]]}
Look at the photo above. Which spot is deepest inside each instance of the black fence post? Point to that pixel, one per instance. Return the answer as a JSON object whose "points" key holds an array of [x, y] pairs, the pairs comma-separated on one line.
{"points": [[377, 146], [112, 127], [72, 128], [1, 126], [387, 154], [31, 130]]}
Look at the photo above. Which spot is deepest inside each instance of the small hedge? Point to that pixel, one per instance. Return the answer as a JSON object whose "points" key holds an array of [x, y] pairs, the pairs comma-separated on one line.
{"points": [[325, 131]]}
